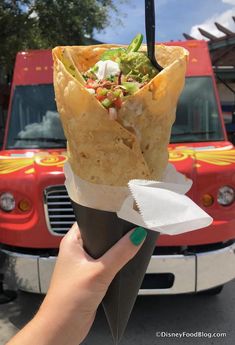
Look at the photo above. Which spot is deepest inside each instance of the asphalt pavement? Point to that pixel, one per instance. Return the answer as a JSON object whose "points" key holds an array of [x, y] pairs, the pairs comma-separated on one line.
{"points": [[155, 319]]}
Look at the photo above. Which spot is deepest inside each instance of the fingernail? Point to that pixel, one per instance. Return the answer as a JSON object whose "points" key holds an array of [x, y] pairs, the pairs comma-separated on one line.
{"points": [[138, 235]]}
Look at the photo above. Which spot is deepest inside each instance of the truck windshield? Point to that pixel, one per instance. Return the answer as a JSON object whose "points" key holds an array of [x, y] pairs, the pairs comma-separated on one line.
{"points": [[34, 120], [35, 123], [197, 116]]}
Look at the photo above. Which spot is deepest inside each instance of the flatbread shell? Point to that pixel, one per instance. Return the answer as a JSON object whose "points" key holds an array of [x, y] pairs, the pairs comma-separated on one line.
{"points": [[109, 152]]}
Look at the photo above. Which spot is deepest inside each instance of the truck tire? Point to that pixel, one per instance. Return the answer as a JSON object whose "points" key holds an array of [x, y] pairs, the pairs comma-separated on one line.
{"points": [[211, 292]]}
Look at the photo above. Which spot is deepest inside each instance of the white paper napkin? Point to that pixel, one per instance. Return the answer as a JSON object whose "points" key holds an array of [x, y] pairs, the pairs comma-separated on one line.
{"points": [[162, 208]]}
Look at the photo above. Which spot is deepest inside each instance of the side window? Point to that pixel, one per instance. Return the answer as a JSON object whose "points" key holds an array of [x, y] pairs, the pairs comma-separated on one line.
{"points": [[197, 116]]}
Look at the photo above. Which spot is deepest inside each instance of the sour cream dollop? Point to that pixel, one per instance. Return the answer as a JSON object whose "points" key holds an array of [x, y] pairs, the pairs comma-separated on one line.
{"points": [[106, 69]]}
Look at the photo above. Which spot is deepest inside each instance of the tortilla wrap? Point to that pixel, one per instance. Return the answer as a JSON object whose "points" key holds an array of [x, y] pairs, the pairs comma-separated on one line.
{"points": [[110, 152]]}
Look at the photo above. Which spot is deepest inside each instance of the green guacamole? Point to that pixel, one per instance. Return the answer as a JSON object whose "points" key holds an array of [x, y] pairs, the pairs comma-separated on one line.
{"points": [[136, 65]]}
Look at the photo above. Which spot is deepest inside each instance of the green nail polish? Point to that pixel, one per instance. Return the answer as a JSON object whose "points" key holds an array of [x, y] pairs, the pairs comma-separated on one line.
{"points": [[138, 235]]}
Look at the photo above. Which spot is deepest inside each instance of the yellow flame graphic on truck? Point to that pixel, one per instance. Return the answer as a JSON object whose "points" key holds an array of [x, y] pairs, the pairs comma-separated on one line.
{"points": [[12, 164], [9, 165], [217, 157]]}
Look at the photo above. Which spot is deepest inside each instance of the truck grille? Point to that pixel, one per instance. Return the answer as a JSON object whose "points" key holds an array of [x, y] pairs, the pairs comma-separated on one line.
{"points": [[58, 210]]}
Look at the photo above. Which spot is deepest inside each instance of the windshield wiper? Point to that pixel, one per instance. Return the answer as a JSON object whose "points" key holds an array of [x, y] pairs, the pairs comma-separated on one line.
{"points": [[54, 140], [192, 133]]}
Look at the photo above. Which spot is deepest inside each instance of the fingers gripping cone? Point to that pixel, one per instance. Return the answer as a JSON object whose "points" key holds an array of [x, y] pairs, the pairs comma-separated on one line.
{"points": [[100, 230]]}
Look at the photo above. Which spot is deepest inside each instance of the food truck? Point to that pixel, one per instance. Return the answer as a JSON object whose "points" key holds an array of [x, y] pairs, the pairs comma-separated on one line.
{"points": [[35, 211]]}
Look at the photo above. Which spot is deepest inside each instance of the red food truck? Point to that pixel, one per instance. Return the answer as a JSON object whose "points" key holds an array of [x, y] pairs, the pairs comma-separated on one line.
{"points": [[35, 211]]}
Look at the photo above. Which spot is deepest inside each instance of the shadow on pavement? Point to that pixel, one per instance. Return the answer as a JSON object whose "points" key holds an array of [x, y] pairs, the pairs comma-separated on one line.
{"points": [[21, 310], [182, 313], [151, 314]]}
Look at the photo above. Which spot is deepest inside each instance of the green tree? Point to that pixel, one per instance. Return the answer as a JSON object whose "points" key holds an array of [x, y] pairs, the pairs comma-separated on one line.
{"points": [[35, 24], [16, 27], [70, 22]]}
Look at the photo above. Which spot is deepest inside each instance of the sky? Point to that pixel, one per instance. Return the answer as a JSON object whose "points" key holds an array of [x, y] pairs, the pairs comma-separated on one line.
{"points": [[173, 17]]}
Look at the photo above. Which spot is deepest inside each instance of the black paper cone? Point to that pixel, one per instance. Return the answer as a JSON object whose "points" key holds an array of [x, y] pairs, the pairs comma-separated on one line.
{"points": [[100, 230]]}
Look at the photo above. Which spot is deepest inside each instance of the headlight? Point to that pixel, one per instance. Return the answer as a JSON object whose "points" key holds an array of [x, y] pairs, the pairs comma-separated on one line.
{"points": [[225, 196], [7, 202]]}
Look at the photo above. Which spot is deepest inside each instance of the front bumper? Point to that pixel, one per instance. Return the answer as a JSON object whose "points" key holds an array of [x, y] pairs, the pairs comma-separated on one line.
{"points": [[191, 273]]}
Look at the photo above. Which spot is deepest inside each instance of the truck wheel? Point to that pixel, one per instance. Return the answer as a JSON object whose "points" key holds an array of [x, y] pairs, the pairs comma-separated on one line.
{"points": [[211, 292]]}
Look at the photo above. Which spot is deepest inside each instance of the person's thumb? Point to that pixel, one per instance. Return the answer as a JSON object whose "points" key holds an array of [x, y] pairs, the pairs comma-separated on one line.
{"points": [[123, 251]]}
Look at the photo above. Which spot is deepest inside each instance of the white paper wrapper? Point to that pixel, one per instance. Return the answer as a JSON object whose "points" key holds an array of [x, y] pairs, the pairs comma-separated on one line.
{"points": [[100, 197], [163, 206]]}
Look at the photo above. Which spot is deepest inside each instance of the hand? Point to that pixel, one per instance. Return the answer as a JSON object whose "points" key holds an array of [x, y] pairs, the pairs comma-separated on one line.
{"points": [[78, 285]]}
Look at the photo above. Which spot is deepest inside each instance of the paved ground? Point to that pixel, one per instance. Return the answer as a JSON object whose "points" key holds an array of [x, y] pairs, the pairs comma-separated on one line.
{"points": [[150, 315]]}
